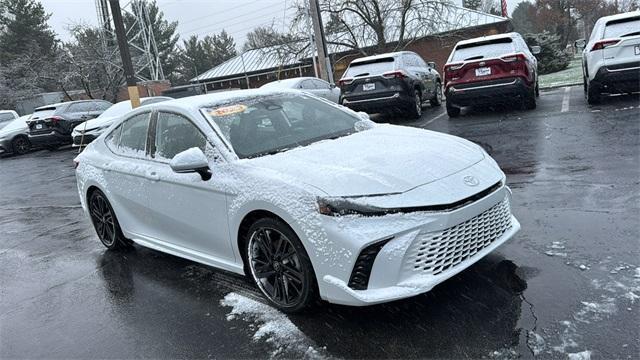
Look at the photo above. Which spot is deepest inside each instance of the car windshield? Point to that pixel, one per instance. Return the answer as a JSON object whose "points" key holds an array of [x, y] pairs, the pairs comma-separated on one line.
{"points": [[483, 50], [265, 125], [370, 67], [621, 28]]}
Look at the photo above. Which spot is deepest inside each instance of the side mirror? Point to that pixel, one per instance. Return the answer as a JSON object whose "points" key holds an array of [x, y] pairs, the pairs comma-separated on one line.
{"points": [[432, 64], [333, 86], [535, 49], [580, 43], [189, 161]]}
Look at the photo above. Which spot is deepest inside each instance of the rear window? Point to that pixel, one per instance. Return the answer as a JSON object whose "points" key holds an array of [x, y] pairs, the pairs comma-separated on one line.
{"points": [[483, 50], [43, 112], [370, 67], [622, 28]]}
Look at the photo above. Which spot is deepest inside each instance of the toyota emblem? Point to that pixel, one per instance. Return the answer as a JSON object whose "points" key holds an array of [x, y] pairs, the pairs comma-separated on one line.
{"points": [[471, 181]]}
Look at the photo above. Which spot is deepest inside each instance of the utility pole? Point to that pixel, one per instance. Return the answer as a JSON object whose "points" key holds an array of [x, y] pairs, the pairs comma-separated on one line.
{"points": [[321, 45], [123, 45]]}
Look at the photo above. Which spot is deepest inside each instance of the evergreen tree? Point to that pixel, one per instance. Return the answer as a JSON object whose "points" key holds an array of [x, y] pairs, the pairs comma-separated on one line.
{"points": [[24, 29], [523, 18], [472, 4], [199, 56]]}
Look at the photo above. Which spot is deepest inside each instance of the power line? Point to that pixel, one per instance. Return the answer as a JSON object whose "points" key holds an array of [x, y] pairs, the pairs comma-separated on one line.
{"points": [[218, 12], [233, 18]]}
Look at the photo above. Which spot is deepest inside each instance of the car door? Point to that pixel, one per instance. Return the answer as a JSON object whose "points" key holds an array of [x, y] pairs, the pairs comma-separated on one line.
{"points": [[186, 211], [429, 79], [126, 174]]}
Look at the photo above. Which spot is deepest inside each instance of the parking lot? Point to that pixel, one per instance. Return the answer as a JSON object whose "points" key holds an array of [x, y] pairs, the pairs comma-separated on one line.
{"points": [[568, 283]]}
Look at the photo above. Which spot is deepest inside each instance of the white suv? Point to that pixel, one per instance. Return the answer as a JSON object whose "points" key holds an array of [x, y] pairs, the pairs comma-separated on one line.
{"points": [[611, 58]]}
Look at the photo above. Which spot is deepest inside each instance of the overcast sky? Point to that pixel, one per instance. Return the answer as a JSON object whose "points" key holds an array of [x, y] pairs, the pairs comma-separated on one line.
{"points": [[195, 17]]}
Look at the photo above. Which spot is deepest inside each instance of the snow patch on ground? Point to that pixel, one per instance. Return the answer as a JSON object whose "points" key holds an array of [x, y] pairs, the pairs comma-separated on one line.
{"points": [[504, 354], [273, 327], [583, 355], [596, 310], [536, 343]]}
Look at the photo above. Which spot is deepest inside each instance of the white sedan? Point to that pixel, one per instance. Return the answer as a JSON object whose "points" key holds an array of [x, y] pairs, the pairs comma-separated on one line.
{"points": [[304, 196], [315, 86]]}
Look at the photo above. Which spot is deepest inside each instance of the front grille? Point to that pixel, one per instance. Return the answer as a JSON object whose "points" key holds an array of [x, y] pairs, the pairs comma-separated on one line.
{"points": [[434, 252]]}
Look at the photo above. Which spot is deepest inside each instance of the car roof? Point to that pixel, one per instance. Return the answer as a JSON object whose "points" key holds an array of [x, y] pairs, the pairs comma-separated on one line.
{"points": [[381, 56], [510, 35], [620, 16], [68, 103], [200, 101]]}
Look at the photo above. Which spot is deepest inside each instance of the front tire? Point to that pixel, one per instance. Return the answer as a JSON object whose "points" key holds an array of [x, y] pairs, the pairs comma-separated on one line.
{"points": [[437, 97], [280, 266], [529, 101], [21, 145], [105, 222], [415, 108]]}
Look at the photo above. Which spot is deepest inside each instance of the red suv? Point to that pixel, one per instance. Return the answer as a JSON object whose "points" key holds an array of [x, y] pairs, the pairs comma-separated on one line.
{"points": [[484, 69]]}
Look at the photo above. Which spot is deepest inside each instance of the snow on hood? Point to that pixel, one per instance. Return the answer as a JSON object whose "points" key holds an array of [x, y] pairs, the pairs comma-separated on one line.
{"points": [[98, 122], [17, 124], [386, 159]]}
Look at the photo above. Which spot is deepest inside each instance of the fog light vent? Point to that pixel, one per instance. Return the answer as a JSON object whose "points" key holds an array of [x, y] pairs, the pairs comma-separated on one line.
{"points": [[361, 272]]}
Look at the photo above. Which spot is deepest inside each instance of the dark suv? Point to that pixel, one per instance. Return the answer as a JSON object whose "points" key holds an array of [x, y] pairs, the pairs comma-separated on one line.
{"points": [[400, 81], [50, 126]]}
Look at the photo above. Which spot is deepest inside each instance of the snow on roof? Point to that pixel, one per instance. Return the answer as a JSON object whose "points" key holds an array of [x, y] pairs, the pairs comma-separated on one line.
{"points": [[379, 56], [487, 38], [620, 16], [446, 18]]}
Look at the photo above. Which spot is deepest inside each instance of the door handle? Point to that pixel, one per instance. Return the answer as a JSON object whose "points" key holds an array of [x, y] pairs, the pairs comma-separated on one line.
{"points": [[153, 176]]}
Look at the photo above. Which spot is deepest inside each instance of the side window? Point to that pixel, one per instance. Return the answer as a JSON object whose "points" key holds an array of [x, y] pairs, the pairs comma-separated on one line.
{"points": [[420, 61], [175, 134], [320, 84], [133, 136], [84, 106], [307, 84], [101, 105]]}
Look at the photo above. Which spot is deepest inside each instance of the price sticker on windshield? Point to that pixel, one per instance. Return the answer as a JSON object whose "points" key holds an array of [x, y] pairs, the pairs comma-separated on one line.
{"points": [[228, 110]]}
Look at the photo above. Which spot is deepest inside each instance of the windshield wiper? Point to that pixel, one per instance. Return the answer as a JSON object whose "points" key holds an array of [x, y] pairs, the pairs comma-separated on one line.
{"points": [[363, 74], [474, 58]]}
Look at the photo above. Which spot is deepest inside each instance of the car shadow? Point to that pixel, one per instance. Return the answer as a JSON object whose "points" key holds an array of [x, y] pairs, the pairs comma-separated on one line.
{"points": [[479, 308]]}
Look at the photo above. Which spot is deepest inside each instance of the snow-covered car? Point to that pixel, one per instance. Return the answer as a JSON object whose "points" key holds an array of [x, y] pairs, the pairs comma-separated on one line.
{"points": [[611, 58], [344, 209], [311, 85], [14, 136], [87, 131]]}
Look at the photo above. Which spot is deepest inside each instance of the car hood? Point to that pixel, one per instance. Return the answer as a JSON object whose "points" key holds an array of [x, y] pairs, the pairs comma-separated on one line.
{"points": [[15, 126], [97, 122], [384, 160]]}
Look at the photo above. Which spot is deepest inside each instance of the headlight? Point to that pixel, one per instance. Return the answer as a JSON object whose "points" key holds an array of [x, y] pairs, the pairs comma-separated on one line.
{"points": [[342, 206]]}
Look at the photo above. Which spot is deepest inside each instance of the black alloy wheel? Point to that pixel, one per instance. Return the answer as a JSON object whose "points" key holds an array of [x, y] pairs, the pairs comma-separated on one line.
{"points": [[280, 266], [437, 98], [415, 108], [105, 222], [21, 145]]}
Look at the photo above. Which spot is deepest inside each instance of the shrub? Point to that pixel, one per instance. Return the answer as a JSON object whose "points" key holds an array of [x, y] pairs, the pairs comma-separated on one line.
{"points": [[551, 58]]}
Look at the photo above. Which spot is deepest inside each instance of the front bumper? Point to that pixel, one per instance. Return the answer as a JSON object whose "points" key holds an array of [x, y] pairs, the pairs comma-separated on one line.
{"points": [[487, 92], [618, 78], [5, 146], [379, 102], [426, 248]]}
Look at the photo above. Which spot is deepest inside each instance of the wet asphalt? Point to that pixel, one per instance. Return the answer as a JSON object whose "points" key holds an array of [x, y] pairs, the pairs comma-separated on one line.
{"points": [[569, 282]]}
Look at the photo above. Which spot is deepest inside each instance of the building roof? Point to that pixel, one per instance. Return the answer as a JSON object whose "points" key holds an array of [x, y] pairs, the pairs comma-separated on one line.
{"points": [[444, 19]]}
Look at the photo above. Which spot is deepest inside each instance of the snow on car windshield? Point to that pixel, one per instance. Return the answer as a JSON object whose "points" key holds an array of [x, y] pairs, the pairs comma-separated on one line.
{"points": [[5, 118], [483, 50], [266, 125], [117, 109], [620, 28]]}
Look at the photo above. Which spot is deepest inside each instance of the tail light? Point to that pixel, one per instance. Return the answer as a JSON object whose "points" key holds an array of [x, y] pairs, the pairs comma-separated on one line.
{"points": [[394, 74], [452, 71], [56, 119], [604, 43], [513, 57], [345, 81]]}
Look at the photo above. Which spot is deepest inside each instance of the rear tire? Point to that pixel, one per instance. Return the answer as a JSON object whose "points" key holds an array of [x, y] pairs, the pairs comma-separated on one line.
{"points": [[593, 94], [280, 266], [415, 111], [537, 89], [452, 110], [529, 101], [437, 97], [21, 145], [105, 222]]}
